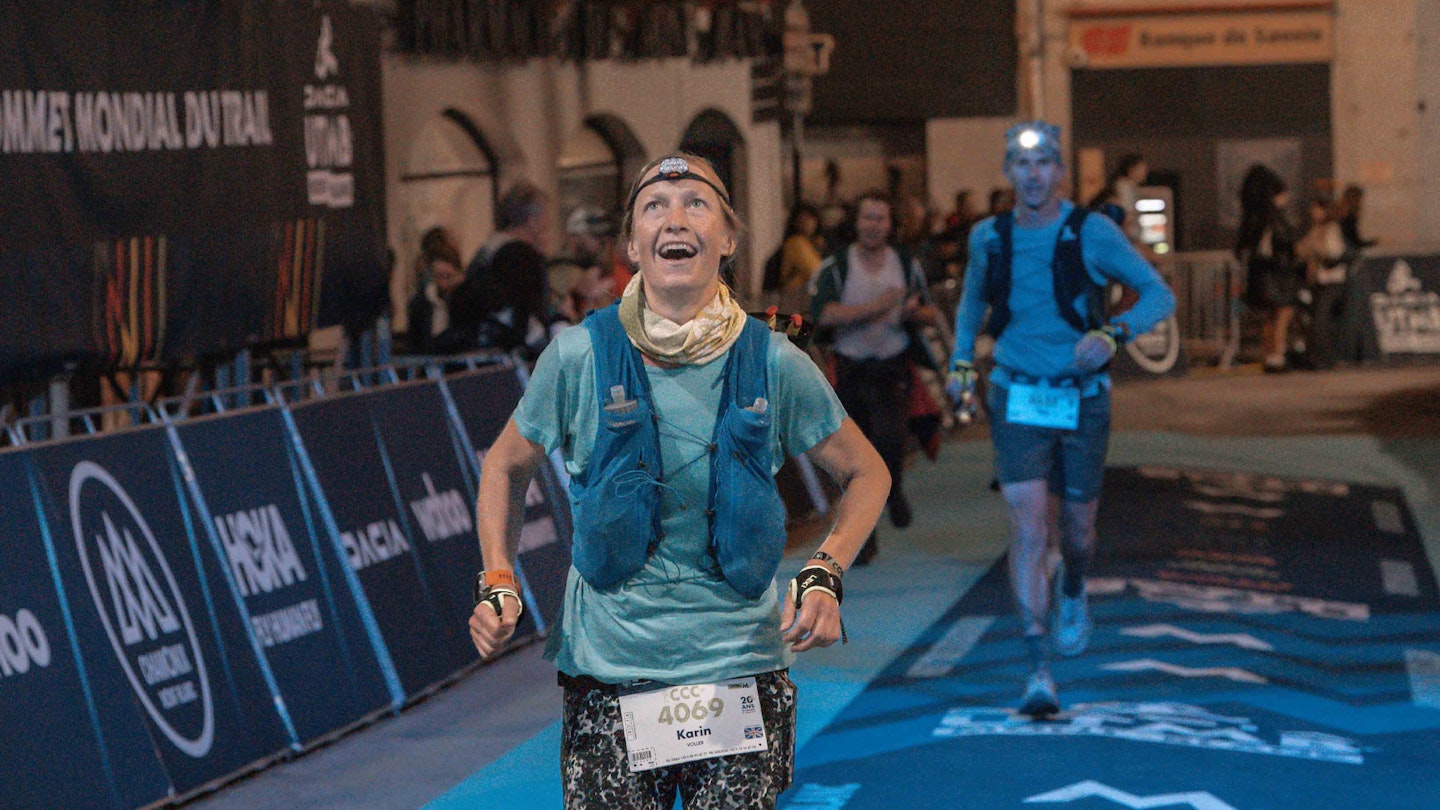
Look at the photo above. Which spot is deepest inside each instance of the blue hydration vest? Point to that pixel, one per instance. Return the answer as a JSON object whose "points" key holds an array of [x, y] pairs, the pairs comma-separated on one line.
{"points": [[616, 499]]}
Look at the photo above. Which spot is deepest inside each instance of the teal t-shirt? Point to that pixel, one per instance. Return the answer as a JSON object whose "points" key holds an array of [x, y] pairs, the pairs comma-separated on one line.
{"points": [[677, 620]]}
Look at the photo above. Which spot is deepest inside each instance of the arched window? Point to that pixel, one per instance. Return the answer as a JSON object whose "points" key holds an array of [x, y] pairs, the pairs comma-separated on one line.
{"points": [[596, 166], [449, 181]]}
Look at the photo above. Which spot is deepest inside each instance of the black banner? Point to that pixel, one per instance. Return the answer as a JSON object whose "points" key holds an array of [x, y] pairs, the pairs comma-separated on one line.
{"points": [[286, 568], [1392, 308], [413, 604], [185, 178], [156, 624], [484, 400], [56, 752]]}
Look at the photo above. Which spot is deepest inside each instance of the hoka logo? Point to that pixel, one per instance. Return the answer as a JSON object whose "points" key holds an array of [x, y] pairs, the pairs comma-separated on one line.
{"points": [[262, 556], [141, 610]]}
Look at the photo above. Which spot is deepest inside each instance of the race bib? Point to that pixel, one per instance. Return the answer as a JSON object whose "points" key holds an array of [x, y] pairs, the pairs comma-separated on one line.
{"points": [[1043, 406], [684, 723]]}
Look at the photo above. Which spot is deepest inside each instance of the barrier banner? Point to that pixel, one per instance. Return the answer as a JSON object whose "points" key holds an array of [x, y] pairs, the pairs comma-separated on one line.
{"points": [[56, 752], [434, 481], [1392, 308], [156, 624], [415, 605], [484, 400], [197, 177], [286, 569]]}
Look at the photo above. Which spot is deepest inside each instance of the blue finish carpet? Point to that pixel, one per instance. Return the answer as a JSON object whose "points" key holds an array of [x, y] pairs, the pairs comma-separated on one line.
{"points": [[1260, 642]]}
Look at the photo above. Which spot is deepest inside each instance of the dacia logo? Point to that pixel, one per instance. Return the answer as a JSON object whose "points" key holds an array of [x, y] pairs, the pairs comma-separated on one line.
{"points": [[141, 608]]}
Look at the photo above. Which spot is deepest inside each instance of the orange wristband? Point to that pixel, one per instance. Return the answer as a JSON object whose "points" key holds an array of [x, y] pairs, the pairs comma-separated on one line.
{"points": [[501, 577]]}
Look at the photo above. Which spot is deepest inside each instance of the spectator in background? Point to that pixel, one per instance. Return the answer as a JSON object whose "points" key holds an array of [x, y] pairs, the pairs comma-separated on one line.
{"points": [[509, 274], [916, 235], [960, 220], [442, 314], [871, 293], [800, 253], [1347, 214], [1266, 247], [1001, 200], [584, 278], [1323, 251], [1122, 190]]}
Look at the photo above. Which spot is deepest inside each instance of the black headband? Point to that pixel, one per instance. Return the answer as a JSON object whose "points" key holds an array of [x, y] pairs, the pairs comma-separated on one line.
{"points": [[671, 170]]}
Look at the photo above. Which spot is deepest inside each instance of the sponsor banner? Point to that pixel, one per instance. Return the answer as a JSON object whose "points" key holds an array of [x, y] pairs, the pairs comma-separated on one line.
{"points": [[419, 610], [196, 178], [484, 400], [1392, 308], [153, 618], [436, 486], [1254, 637], [285, 567], [47, 703], [1107, 40]]}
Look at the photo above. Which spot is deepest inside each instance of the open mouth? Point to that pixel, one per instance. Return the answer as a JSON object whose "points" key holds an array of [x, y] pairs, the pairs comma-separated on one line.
{"points": [[674, 251]]}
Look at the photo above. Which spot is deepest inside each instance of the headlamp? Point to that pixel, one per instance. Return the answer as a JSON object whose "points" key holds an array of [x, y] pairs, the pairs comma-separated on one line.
{"points": [[1032, 135], [670, 170]]}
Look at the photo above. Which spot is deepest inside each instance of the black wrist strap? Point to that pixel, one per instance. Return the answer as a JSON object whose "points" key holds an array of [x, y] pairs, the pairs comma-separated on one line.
{"points": [[815, 577]]}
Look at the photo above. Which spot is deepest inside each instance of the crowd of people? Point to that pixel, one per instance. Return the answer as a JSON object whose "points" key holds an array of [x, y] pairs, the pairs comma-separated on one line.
{"points": [[1297, 271]]}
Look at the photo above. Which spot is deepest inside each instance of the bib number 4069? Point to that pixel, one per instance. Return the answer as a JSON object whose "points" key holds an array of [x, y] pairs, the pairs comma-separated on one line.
{"points": [[672, 713]]}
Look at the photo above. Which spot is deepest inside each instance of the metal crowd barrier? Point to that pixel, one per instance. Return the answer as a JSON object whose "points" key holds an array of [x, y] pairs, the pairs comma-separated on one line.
{"points": [[1207, 286]]}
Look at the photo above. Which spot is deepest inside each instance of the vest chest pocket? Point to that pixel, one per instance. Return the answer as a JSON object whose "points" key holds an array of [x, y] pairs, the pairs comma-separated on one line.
{"points": [[749, 515], [616, 499]]}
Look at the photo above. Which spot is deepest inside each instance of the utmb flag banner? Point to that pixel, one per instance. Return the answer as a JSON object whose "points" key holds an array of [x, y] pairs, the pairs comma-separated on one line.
{"points": [[183, 179]]}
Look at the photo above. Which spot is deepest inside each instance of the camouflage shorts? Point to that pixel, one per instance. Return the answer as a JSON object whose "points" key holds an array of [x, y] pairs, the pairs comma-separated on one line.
{"points": [[596, 774]]}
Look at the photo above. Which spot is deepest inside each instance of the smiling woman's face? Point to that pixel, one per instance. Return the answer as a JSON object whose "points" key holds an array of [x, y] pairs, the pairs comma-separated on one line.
{"points": [[679, 235]]}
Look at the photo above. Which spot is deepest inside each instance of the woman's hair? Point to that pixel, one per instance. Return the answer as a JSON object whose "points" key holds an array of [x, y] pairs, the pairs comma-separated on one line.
{"points": [[1349, 202], [792, 223], [1122, 169], [436, 245], [1257, 204]]}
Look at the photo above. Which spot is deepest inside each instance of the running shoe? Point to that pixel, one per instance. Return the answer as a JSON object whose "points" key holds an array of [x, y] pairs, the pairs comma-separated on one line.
{"points": [[1040, 700], [1072, 623]]}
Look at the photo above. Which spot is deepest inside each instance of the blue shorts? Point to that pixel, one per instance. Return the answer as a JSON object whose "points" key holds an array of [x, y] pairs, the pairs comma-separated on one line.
{"points": [[1072, 461]]}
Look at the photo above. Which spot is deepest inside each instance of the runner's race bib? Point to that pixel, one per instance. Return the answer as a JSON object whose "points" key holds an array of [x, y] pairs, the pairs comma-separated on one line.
{"points": [[683, 723], [1043, 406]]}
